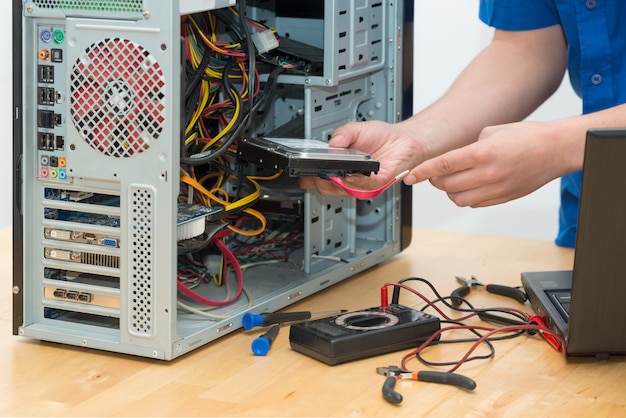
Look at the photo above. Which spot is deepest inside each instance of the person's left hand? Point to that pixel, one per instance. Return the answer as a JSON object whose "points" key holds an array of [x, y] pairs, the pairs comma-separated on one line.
{"points": [[395, 145], [507, 162]]}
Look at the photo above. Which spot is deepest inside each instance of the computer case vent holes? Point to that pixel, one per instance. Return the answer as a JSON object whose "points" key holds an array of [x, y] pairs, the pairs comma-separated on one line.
{"points": [[141, 284], [117, 97]]}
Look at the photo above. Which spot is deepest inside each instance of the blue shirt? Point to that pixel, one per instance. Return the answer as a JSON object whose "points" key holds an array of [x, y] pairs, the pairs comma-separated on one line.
{"points": [[596, 62]]}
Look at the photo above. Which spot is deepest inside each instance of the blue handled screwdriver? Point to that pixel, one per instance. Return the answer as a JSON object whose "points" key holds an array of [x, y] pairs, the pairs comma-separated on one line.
{"points": [[251, 320], [261, 345]]}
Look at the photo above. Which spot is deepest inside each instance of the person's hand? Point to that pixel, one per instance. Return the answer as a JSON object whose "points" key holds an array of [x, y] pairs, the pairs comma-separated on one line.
{"points": [[507, 162], [391, 144]]}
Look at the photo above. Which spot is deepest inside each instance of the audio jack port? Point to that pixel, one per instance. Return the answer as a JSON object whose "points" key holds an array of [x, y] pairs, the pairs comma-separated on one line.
{"points": [[44, 54]]}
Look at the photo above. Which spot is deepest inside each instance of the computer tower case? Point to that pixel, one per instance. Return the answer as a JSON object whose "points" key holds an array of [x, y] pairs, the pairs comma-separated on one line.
{"points": [[136, 229]]}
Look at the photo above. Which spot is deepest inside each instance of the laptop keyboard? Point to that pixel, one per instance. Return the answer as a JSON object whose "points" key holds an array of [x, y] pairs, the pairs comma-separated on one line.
{"points": [[562, 299]]}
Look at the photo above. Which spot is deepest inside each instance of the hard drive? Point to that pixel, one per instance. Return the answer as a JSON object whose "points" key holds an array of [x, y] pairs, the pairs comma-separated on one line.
{"points": [[305, 157]]}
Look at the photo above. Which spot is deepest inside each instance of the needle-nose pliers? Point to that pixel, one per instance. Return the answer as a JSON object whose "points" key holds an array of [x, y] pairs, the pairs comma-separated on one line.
{"points": [[497, 289], [393, 373]]}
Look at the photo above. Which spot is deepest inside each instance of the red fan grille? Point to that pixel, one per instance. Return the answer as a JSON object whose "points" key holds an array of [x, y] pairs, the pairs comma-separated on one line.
{"points": [[117, 93]]}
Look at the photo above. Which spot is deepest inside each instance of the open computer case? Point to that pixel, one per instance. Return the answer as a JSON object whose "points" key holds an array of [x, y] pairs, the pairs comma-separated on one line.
{"points": [[136, 227]]}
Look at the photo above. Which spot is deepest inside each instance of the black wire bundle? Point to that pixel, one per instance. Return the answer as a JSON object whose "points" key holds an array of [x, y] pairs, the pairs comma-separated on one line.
{"points": [[255, 101]]}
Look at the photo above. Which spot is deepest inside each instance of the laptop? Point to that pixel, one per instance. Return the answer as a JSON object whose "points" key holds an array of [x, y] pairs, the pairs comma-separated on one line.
{"points": [[587, 305]]}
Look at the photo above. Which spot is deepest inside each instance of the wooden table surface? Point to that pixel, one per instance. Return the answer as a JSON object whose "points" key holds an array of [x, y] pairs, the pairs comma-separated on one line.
{"points": [[525, 378]]}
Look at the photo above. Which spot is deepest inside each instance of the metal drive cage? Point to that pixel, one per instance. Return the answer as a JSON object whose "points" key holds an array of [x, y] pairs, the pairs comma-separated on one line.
{"points": [[136, 228]]}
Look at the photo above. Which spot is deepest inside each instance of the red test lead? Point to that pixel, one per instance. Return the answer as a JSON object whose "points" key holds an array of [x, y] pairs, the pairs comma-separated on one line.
{"points": [[384, 297], [538, 320]]}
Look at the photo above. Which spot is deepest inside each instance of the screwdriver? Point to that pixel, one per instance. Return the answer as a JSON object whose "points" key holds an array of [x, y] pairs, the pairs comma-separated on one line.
{"points": [[251, 320], [262, 344]]}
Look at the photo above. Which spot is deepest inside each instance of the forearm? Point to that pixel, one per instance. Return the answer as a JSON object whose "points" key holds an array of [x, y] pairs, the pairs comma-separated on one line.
{"points": [[510, 78], [566, 137]]}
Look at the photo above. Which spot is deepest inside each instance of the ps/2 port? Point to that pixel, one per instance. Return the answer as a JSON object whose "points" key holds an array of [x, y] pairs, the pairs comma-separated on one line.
{"points": [[45, 35], [58, 37]]}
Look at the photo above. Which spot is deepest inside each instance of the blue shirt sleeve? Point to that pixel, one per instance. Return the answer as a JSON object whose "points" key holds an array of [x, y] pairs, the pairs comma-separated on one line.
{"points": [[519, 14]]}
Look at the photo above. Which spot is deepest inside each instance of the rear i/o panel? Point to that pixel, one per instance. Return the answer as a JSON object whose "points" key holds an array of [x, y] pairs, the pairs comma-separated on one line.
{"points": [[48, 58], [138, 224]]}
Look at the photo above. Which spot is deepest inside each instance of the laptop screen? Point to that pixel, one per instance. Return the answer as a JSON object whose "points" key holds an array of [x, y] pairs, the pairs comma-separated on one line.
{"points": [[598, 280]]}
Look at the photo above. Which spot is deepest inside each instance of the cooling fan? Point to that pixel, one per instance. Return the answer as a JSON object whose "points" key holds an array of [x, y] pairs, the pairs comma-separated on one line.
{"points": [[117, 97]]}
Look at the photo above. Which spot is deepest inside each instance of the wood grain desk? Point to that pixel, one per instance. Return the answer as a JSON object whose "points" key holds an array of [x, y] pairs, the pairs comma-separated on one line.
{"points": [[526, 377]]}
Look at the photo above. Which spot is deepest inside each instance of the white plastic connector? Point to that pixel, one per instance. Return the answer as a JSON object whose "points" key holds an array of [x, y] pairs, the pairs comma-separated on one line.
{"points": [[264, 41]]}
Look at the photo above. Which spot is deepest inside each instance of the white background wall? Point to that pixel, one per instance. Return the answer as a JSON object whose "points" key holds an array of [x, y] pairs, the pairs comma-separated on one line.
{"points": [[447, 35]]}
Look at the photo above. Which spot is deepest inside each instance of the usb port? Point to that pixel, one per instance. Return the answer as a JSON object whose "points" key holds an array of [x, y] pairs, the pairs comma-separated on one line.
{"points": [[46, 96], [46, 74], [59, 293], [46, 141]]}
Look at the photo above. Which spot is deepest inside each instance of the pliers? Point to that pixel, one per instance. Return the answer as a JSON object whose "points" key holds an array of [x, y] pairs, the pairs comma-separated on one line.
{"points": [[394, 373], [508, 291]]}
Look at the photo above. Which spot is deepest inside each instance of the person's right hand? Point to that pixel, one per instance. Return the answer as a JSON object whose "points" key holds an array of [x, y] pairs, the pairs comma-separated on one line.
{"points": [[392, 145], [507, 162]]}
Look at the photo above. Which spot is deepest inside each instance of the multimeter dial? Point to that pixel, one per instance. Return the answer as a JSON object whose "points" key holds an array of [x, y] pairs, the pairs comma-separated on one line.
{"points": [[366, 320]]}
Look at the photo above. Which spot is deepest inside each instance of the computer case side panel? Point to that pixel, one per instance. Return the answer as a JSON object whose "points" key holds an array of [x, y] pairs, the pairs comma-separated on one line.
{"points": [[17, 229], [406, 195]]}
